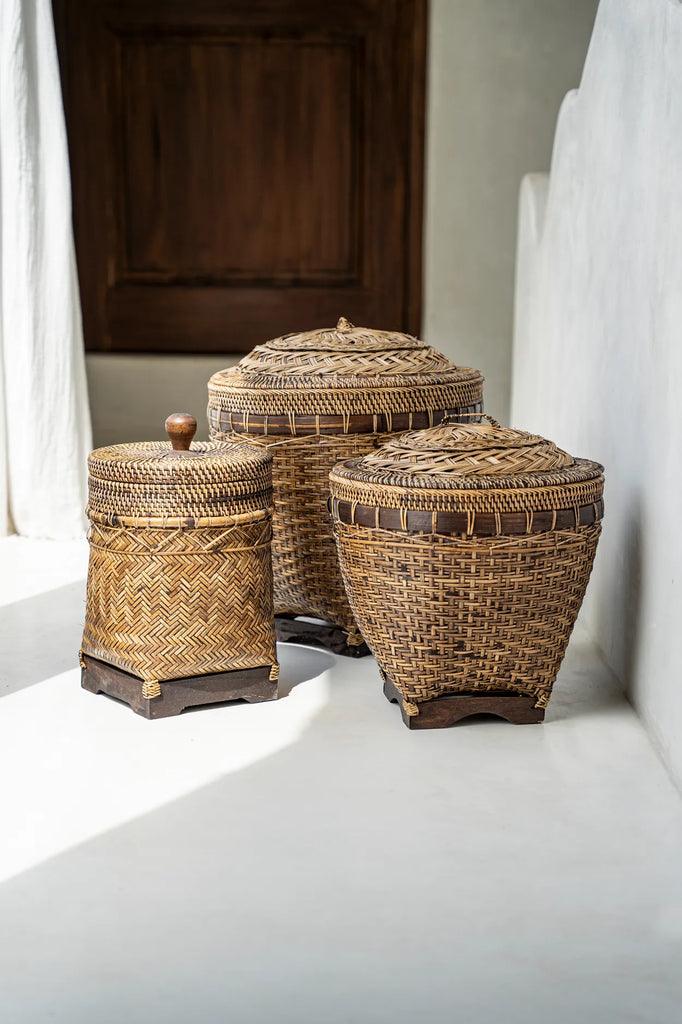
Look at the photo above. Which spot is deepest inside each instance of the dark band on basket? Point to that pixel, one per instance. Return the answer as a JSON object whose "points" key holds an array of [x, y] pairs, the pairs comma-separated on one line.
{"points": [[468, 524], [294, 425]]}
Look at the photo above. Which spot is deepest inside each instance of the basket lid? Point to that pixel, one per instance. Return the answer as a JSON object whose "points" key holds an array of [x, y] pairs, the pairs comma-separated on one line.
{"points": [[345, 337], [344, 369], [340, 356], [457, 456], [178, 478]]}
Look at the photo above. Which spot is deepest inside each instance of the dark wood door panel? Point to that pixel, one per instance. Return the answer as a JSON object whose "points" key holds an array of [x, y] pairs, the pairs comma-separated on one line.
{"points": [[201, 115], [232, 320], [242, 169]]}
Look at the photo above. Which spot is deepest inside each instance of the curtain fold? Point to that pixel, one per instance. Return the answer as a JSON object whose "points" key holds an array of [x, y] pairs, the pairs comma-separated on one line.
{"points": [[44, 415]]}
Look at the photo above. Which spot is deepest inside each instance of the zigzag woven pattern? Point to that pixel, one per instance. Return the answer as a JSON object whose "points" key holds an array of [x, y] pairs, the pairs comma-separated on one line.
{"points": [[169, 603], [447, 614]]}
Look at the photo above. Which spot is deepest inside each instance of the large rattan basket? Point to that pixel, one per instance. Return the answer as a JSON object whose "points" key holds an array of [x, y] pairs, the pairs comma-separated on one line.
{"points": [[313, 399], [179, 598], [466, 550]]}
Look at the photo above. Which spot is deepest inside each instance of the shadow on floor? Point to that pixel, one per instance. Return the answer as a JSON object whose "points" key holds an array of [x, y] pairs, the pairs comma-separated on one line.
{"points": [[297, 665], [291, 889], [40, 636]]}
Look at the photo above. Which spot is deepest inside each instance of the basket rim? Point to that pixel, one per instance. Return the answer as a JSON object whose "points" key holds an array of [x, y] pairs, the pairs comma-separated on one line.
{"points": [[238, 378], [349, 472], [159, 455]]}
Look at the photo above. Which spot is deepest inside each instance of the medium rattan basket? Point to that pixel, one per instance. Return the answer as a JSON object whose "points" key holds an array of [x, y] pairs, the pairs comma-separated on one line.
{"points": [[313, 399], [466, 551], [179, 598]]}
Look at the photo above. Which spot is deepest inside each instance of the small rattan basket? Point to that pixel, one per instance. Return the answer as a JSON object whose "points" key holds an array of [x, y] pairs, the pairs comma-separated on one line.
{"points": [[466, 551], [179, 597], [313, 399]]}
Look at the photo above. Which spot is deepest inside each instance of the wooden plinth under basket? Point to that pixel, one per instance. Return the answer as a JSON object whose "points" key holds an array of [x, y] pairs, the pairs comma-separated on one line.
{"points": [[312, 400], [179, 599], [450, 708], [176, 695], [466, 551], [296, 629]]}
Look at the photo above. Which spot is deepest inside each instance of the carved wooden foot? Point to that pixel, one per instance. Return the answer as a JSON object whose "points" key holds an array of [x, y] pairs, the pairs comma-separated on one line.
{"points": [[294, 630], [442, 712], [251, 684]]}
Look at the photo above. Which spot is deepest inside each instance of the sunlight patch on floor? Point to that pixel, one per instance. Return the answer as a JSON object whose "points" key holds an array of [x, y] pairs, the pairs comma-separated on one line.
{"points": [[88, 764]]}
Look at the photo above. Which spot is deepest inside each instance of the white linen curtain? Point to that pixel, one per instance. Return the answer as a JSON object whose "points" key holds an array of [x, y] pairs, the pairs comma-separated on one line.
{"points": [[44, 414]]}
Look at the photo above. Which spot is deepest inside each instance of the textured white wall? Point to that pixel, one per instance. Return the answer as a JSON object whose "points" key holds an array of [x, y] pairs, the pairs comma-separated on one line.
{"points": [[498, 71], [598, 353]]}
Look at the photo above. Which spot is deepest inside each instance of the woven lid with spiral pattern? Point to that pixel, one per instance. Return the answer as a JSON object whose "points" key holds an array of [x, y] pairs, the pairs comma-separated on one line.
{"points": [[344, 369], [445, 463], [179, 477]]}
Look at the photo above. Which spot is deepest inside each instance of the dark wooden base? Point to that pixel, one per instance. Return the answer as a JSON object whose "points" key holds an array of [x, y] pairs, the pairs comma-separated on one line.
{"points": [[447, 710], [251, 684], [293, 630]]}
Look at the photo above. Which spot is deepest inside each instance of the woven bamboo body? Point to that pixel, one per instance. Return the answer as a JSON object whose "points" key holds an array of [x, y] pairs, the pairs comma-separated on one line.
{"points": [[164, 603], [180, 576], [313, 400], [466, 561]]}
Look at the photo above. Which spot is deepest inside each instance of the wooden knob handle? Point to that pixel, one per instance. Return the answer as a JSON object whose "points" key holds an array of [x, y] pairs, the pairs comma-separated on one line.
{"points": [[181, 428]]}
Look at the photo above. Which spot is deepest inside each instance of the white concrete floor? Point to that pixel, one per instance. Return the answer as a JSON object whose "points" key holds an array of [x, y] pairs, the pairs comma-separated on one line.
{"points": [[311, 860]]}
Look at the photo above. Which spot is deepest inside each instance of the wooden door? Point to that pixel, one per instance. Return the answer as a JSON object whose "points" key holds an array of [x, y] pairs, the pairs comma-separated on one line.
{"points": [[243, 168]]}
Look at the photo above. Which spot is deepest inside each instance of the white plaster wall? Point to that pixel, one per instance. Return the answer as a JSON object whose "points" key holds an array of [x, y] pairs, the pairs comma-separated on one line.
{"points": [[598, 354], [498, 71]]}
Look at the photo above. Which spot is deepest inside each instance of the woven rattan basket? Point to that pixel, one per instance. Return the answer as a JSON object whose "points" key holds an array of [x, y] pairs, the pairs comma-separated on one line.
{"points": [[466, 550], [313, 399], [179, 599]]}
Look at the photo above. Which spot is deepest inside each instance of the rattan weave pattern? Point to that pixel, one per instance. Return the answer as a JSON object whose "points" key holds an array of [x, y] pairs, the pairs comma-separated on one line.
{"points": [[345, 338], [467, 450], [487, 498], [315, 399], [344, 357], [149, 478], [447, 614], [222, 422], [233, 391], [479, 609], [180, 573], [466, 523], [305, 568], [168, 603]]}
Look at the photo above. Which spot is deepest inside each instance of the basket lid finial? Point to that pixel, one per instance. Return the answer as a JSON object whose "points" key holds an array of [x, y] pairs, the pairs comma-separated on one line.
{"points": [[344, 325], [181, 428]]}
